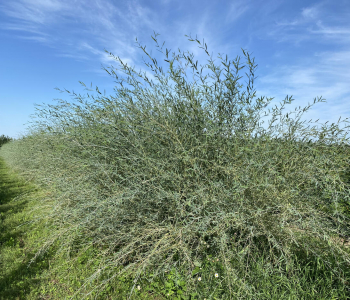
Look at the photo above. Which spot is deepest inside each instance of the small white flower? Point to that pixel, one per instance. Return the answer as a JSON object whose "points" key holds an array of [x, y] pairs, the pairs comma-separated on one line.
{"points": [[138, 287], [199, 278], [216, 275]]}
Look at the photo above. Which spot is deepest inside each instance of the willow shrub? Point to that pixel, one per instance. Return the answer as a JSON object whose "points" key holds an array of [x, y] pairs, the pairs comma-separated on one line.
{"points": [[162, 176]]}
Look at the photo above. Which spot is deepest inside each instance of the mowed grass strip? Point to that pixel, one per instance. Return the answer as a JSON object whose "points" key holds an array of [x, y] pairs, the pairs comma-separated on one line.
{"points": [[22, 227], [17, 237]]}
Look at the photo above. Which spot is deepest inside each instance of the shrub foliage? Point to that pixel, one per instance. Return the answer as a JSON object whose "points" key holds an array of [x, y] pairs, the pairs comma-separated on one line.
{"points": [[162, 175]]}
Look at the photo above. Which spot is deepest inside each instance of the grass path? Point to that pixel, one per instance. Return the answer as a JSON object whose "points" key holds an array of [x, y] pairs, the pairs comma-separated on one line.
{"points": [[18, 238]]}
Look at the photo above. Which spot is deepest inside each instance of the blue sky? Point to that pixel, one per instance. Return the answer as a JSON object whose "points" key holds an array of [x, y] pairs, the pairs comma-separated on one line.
{"points": [[302, 48]]}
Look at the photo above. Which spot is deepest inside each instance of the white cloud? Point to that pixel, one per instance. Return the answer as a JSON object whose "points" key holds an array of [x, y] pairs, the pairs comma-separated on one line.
{"points": [[337, 34], [236, 10], [310, 25], [26, 26], [310, 12], [35, 11], [34, 38]]}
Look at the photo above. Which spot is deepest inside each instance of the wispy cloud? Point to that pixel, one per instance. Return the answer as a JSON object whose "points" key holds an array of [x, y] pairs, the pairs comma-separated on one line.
{"points": [[309, 25], [36, 11], [311, 13], [34, 38], [26, 27], [236, 10]]}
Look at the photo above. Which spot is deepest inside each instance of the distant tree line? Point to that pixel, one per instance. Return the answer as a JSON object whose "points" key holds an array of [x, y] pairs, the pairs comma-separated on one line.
{"points": [[4, 139]]}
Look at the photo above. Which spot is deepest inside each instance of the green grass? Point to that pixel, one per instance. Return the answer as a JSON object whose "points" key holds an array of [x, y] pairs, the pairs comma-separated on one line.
{"points": [[131, 192], [17, 241]]}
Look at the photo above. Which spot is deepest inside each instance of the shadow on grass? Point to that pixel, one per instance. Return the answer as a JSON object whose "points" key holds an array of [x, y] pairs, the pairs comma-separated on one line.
{"points": [[17, 278]]}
